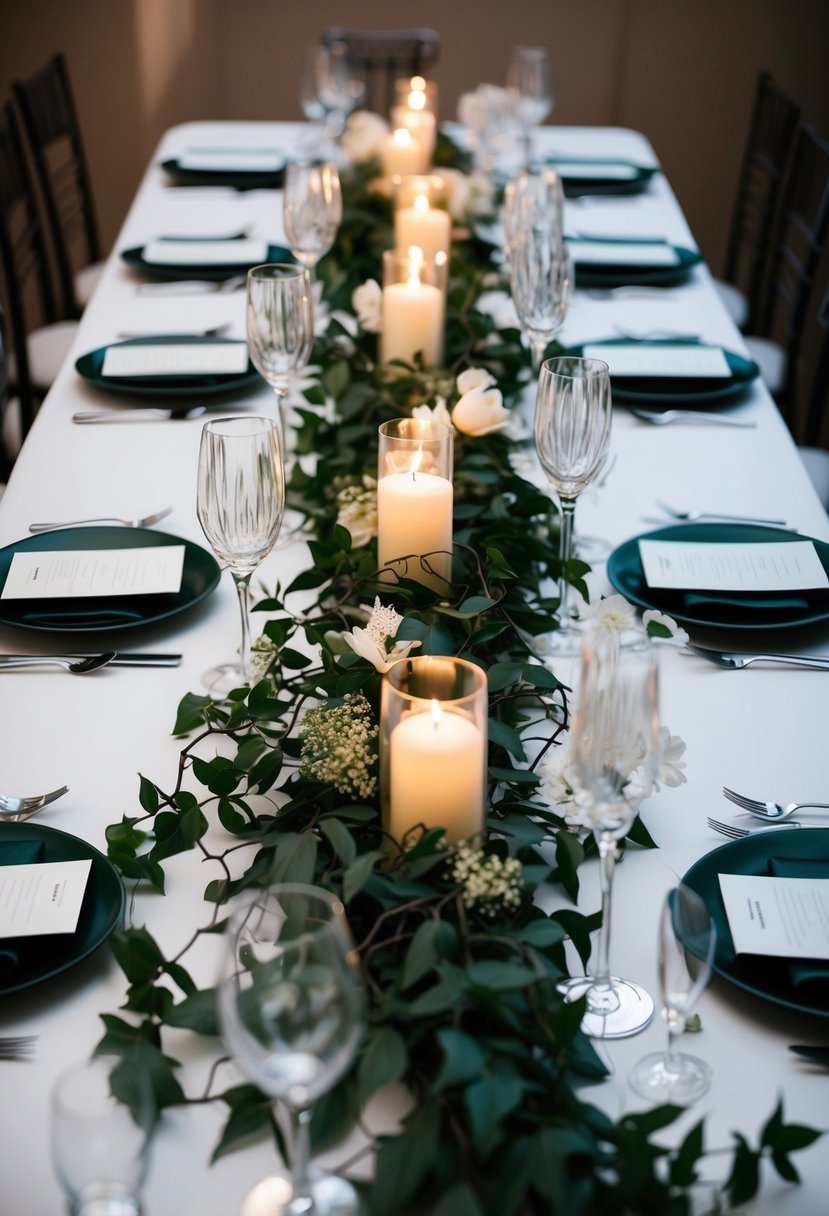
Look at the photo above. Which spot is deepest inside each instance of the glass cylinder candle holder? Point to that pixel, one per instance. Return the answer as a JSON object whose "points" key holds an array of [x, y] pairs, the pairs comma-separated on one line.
{"points": [[433, 748], [407, 150], [421, 215], [414, 502], [414, 307]]}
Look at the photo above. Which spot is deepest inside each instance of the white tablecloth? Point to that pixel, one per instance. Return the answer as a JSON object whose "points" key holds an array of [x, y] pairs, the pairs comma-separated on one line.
{"points": [[759, 730]]}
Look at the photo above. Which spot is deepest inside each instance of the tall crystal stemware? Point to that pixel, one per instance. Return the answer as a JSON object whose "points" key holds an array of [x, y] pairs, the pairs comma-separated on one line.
{"points": [[614, 750], [530, 77], [240, 500], [312, 208], [339, 88], [279, 321], [291, 1010], [541, 276], [672, 1075], [572, 434], [531, 198]]}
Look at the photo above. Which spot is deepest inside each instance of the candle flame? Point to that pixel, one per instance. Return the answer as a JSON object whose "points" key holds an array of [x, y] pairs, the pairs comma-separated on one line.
{"points": [[417, 84], [417, 100], [437, 713], [415, 265], [403, 137], [421, 203], [417, 462]]}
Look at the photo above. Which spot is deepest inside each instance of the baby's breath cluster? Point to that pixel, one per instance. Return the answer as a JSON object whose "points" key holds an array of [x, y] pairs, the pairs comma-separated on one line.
{"points": [[489, 884], [338, 745], [357, 509]]}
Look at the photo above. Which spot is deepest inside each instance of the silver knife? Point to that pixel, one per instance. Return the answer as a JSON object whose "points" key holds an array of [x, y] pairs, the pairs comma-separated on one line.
{"points": [[123, 658], [138, 415]]}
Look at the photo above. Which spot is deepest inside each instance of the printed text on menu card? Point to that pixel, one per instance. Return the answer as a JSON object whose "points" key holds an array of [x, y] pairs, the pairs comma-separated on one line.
{"points": [[739, 567], [782, 917], [152, 570], [45, 898]]}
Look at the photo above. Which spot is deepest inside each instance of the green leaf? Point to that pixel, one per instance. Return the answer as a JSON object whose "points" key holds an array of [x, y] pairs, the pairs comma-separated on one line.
{"points": [[359, 872], [459, 1201], [541, 933], [445, 994], [434, 939], [230, 819], [340, 839], [463, 1059], [196, 1012], [384, 1061], [684, 1162], [148, 795], [404, 1161], [488, 1101], [502, 675], [501, 977], [190, 713], [506, 737], [294, 858], [744, 1179], [476, 604], [248, 1121]]}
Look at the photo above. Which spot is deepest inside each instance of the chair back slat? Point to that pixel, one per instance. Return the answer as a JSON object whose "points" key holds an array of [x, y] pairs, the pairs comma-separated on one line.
{"points": [[380, 57]]}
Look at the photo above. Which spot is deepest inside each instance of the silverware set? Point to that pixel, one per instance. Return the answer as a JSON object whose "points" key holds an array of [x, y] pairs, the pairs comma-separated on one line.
{"points": [[736, 661], [138, 415], [699, 417], [17, 1047], [81, 664], [693, 516], [15, 810], [146, 522], [774, 815]]}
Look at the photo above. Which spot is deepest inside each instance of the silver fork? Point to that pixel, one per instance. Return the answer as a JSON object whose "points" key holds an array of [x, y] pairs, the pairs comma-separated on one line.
{"points": [[15, 1047], [770, 810], [692, 516], [734, 833], [138, 415], [736, 661], [215, 331], [18, 809], [702, 418], [146, 522]]}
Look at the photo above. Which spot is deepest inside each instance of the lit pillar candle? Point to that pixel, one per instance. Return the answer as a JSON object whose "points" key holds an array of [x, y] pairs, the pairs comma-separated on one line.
{"points": [[436, 768], [403, 154], [413, 311], [427, 227], [414, 517], [421, 125]]}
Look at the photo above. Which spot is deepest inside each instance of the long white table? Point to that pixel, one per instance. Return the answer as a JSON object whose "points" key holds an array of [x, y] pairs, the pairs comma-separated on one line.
{"points": [[761, 730]]}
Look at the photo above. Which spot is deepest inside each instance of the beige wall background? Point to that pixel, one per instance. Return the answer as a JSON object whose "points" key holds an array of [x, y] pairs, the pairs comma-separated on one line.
{"points": [[681, 71]]}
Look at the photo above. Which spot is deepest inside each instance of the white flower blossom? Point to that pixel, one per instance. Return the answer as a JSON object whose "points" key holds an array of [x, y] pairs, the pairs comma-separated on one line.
{"points": [[367, 301], [472, 378], [498, 305], [469, 195], [609, 618], [677, 634], [372, 643], [364, 137], [489, 884], [357, 510], [338, 746], [671, 764], [433, 414], [480, 412]]}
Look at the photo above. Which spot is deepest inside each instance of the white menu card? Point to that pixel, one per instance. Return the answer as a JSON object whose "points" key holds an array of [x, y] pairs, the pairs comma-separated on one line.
{"points": [[623, 253], [783, 917], [151, 570], [618, 170], [684, 359], [232, 160], [42, 898], [176, 359], [205, 253], [689, 566]]}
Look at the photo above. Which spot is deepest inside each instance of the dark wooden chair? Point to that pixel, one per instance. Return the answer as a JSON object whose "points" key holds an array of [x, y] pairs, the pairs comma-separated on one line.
{"points": [[6, 454], [799, 237], [51, 125], [38, 340], [774, 121], [379, 57]]}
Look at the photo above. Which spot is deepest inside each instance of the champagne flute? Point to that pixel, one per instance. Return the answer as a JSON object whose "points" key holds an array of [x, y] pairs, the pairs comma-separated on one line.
{"points": [[312, 208], [531, 198], [291, 1011], [338, 88], [530, 78], [239, 502], [572, 434], [614, 749], [541, 275], [673, 1076]]}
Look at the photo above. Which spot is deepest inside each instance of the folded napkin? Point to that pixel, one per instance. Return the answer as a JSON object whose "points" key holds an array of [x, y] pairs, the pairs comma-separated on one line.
{"points": [[809, 979]]}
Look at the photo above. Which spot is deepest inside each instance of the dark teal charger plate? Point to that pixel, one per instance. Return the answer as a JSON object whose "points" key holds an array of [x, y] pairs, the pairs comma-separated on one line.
{"points": [[210, 273], [245, 180], [104, 613], [655, 391], [575, 186], [767, 978], [25, 961], [720, 611], [188, 385], [615, 274]]}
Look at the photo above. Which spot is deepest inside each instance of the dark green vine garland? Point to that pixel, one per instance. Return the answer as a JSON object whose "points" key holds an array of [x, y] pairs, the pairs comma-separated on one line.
{"points": [[463, 1006]]}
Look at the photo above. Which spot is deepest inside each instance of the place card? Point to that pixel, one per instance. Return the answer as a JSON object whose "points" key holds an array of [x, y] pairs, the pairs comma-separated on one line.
{"points": [[244, 252], [599, 169], [623, 253], [691, 566], [232, 160], [176, 359], [146, 570], [665, 359], [780, 917], [42, 898]]}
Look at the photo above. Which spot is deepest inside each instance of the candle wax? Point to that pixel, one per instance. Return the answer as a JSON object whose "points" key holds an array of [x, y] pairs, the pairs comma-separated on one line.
{"points": [[436, 770], [414, 516]]}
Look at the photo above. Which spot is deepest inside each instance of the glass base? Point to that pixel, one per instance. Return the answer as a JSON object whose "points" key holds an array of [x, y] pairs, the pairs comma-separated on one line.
{"points": [[274, 1196], [652, 1079], [221, 680], [632, 1013]]}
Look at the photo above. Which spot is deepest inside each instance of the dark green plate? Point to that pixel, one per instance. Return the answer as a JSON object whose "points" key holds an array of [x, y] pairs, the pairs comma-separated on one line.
{"points": [[575, 186], [209, 384], [248, 180], [213, 273], [783, 610], [25, 961], [656, 391], [615, 274], [768, 978], [95, 614]]}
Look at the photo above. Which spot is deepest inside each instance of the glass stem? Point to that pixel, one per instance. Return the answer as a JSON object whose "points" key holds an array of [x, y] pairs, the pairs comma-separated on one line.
{"points": [[568, 510], [300, 1181], [674, 1031], [243, 591], [607, 864]]}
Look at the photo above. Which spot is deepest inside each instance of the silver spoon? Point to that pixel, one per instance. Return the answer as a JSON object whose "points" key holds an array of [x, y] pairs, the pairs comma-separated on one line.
{"points": [[665, 417], [17, 809], [146, 522], [692, 516], [78, 667]]}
